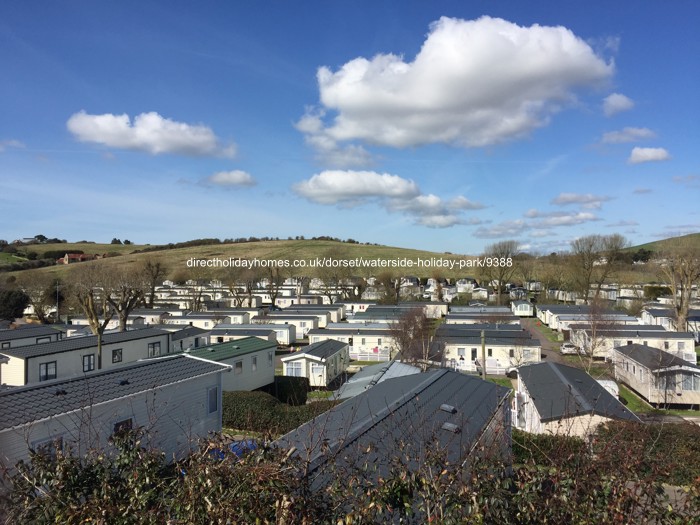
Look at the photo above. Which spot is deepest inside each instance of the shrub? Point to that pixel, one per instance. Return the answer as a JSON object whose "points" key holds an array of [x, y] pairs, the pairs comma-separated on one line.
{"points": [[292, 390], [261, 412]]}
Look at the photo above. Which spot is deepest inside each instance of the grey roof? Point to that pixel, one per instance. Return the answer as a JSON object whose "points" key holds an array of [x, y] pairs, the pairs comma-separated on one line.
{"points": [[200, 315], [494, 340], [399, 419], [351, 331], [149, 311], [483, 315], [27, 404], [252, 326], [281, 315], [322, 349], [653, 358], [460, 309], [693, 314], [364, 326], [650, 334], [619, 327], [79, 343], [560, 391], [29, 331], [242, 331], [467, 330], [372, 375], [190, 331]]}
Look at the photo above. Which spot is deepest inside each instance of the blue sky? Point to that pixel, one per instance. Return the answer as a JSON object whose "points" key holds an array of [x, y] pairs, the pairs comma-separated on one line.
{"points": [[438, 125]]}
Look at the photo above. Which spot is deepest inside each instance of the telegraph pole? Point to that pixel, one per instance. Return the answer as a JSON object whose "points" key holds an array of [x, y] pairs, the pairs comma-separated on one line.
{"points": [[483, 355]]}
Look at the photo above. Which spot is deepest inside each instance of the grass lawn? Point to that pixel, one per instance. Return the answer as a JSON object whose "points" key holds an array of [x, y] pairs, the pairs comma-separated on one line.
{"points": [[639, 406], [320, 394], [500, 380], [634, 402], [9, 258]]}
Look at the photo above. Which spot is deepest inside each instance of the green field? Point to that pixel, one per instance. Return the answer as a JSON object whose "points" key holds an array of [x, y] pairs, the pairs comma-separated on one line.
{"points": [[7, 258], [176, 259], [692, 239]]}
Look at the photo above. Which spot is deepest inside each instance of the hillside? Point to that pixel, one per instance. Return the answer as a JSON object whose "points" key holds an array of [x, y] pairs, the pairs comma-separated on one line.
{"points": [[176, 259], [693, 239]]}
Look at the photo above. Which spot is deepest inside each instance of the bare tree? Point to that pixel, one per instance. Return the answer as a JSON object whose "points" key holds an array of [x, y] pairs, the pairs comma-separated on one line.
{"points": [[241, 283], [86, 287], [593, 260], [275, 276], [412, 334], [334, 277], [125, 288], [500, 265], [679, 264], [154, 273], [391, 287], [43, 292]]}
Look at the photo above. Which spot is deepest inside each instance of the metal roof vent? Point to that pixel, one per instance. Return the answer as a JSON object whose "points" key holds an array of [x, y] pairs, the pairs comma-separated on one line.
{"points": [[448, 408], [451, 427]]}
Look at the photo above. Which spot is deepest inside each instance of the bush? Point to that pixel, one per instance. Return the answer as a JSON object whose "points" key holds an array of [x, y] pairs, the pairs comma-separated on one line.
{"points": [[547, 450], [261, 412], [669, 452], [292, 390]]}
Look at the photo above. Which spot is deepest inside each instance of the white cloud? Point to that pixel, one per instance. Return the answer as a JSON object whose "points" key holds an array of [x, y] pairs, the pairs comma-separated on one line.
{"points": [[627, 135], [565, 219], [691, 181], [393, 193], [541, 233], [352, 187], [451, 92], [587, 200], [640, 155], [230, 178], [620, 224], [11, 143], [616, 103], [462, 203], [642, 191], [502, 230], [148, 132]]}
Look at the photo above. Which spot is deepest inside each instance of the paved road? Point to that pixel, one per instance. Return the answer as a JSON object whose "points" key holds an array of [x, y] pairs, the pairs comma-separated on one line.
{"points": [[550, 351]]}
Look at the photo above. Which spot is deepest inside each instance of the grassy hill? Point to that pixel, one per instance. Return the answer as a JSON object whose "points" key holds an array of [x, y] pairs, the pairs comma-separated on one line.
{"points": [[176, 259], [693, 239]]}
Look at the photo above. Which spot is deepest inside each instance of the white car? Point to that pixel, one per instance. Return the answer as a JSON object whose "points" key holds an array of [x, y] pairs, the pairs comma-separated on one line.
{"points": [[568, 349]]}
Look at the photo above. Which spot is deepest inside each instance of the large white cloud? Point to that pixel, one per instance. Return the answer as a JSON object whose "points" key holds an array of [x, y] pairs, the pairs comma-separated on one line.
{"points": [[640, 155], [148, 132], [352, 187], [393, 193], [473, 83], [616, 103]]}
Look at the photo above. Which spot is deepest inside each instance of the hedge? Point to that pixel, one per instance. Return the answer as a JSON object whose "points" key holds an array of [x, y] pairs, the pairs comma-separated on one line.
{"points": [[261, 412]]}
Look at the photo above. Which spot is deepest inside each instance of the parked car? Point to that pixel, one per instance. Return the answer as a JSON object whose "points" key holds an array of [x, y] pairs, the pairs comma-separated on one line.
{"points": [[568, 349]]}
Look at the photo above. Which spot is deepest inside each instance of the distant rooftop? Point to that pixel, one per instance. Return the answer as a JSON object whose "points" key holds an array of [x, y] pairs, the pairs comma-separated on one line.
{"points": [[232, 349]]}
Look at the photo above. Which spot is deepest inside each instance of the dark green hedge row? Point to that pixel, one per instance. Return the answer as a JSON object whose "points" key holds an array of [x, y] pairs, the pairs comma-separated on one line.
{"points": [[261, 412]]}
